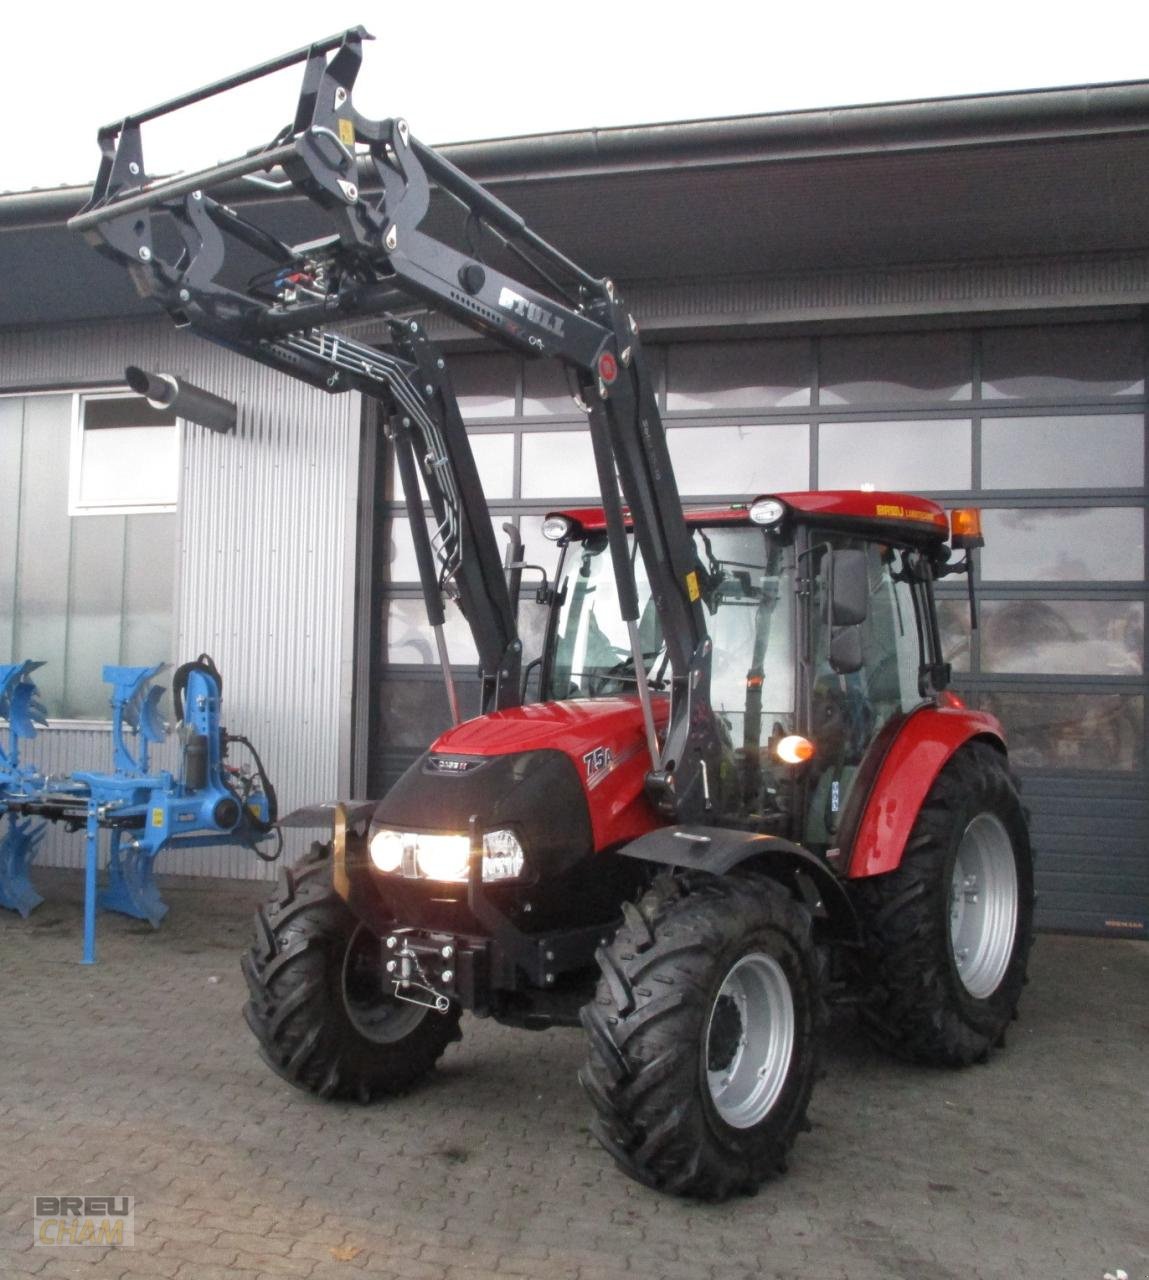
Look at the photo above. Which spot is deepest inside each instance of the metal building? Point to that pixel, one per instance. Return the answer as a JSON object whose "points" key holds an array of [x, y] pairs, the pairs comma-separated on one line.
{"points": [[946, 297]]}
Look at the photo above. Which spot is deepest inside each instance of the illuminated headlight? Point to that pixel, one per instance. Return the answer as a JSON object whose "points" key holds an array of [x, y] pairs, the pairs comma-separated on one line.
{"points": [[442, 857], [386, 849], [445, 857], [767, 511], [556, 528]]}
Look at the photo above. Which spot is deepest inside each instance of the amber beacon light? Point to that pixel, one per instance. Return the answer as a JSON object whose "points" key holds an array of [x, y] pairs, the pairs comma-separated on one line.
{"points": [[965, 527]]}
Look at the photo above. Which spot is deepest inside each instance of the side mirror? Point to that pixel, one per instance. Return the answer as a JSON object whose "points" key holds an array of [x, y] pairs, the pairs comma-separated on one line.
{"points": [[849, 588], [513, 564], [846, 650]]}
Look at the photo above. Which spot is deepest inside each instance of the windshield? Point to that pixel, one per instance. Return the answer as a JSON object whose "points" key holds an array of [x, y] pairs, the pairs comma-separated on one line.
{"points": [[746, 582]]}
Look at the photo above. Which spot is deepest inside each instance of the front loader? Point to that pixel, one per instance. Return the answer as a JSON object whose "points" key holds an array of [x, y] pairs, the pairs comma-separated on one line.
{"points": [[745, 791]]}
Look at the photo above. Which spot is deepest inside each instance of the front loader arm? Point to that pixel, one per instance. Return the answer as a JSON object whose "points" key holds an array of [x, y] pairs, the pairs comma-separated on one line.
{"points": [[374, 182]]}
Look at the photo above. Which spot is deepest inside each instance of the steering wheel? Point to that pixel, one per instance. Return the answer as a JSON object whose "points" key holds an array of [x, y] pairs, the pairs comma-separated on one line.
{"points": [[622, 670]]}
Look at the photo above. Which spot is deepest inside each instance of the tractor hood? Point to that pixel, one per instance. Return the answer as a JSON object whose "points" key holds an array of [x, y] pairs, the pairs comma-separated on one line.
{"points": [[571, 727], [584, 763]]}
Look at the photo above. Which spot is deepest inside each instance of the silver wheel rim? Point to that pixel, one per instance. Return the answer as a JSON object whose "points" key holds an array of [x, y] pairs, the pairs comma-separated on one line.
{"points": [[983, 905], [749, 1040], [374, 1012]]}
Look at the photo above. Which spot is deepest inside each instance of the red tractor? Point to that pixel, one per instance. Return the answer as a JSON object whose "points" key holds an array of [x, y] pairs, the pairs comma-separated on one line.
{"points": [[744, 790], [864, 839]]}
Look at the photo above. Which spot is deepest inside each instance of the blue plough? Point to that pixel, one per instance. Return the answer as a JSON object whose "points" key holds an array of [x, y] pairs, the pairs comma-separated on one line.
{"points": [[207, 803], [21, 707]]}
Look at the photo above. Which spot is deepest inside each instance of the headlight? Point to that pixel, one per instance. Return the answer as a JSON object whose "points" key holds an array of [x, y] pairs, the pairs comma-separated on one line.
{"points": [[767, 511], [445, 857], [386, 849], [556, 527], [442, 857]]}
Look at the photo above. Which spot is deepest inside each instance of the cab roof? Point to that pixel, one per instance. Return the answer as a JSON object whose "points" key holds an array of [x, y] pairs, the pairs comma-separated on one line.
{"points": [[899, 516]]}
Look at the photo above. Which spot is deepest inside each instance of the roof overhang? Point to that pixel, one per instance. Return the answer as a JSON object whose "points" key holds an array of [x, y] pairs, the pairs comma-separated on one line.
{"points": [[1035, 175]]}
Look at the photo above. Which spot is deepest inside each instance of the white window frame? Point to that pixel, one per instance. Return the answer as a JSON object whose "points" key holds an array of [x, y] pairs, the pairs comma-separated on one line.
{"points": [[76, 461]]}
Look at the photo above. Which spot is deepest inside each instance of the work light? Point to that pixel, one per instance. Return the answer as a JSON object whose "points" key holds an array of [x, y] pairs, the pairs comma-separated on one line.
{"points": [[767, 511], [556, 528]]}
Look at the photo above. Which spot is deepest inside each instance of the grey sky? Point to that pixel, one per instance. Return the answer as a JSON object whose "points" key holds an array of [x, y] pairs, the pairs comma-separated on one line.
{"points": [[466, 71]]}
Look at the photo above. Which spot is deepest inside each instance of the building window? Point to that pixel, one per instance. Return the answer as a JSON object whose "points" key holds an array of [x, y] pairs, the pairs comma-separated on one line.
{"points": [[79, 591], [124, 456]]}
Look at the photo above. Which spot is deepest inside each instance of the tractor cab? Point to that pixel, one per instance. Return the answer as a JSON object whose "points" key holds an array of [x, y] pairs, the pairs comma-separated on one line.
{"points": [[821, 614]]}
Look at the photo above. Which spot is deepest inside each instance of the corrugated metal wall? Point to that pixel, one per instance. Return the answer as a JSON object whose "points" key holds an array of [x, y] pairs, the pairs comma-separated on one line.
{"points": [[265, 561]]}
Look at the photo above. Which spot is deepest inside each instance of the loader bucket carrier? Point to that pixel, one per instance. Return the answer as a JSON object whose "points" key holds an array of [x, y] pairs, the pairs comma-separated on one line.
{"points": [[746, 789], [373, 181]]}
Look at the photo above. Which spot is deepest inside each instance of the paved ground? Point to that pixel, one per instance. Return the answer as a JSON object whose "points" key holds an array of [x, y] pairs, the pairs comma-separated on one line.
{"points": [[139, 1078]]}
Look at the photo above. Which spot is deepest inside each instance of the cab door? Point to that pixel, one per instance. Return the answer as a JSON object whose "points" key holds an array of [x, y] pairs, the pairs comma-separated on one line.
{"points": [[860, 683]]}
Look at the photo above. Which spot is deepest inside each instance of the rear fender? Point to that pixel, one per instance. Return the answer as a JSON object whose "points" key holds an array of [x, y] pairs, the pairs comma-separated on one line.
{"points": [[720, 851], [924, 744]]}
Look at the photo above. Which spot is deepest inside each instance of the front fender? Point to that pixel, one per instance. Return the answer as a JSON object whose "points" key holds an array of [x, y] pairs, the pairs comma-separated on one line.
{"points": [[719, 850], [924, 743], [344, 817]]}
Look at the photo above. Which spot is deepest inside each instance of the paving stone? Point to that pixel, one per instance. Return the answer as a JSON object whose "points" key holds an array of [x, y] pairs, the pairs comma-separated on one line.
{"points": [[138, 1077]]}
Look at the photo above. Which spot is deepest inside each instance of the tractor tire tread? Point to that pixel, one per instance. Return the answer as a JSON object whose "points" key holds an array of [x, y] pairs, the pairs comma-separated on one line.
{"points": [[295, 1008], [917, 1008], [642, 1071]]}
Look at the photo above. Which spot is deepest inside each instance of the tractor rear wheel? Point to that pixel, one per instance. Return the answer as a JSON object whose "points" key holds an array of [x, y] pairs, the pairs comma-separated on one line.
{"points": [[949, 931], [319, 1004], [703, 1035]]}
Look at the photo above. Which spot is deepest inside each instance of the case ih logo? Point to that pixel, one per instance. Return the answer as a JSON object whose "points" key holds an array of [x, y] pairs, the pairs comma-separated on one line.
{"points": [[599, 763], [441, 764], [517, 305]]}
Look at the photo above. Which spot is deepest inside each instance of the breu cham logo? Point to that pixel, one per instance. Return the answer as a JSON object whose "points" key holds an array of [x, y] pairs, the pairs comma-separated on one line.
{"points": [[79, 1220]]}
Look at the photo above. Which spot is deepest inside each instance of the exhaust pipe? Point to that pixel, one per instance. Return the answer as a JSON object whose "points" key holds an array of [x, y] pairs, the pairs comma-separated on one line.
{"points": [[165, 391]]}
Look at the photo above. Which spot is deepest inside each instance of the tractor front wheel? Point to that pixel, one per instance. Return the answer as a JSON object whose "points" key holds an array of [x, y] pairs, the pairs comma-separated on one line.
{"points": [[319, 1001], [703, 1035], [949, 931]]}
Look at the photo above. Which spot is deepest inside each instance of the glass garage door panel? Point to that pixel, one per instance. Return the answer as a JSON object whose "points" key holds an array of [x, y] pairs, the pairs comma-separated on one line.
{"points": [[1063, 362], [910, 455], [484, 385], [558, 462], [896, 369], [402, 566], [410, 641], [1064, 451], [494, 453], [1063, 637], [1102, 732], [755, 374], [1068, 544], [740, 460]]}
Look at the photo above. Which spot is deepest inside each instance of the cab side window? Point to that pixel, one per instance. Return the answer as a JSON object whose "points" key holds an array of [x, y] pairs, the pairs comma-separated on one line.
{"points": [[849, 707]]}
